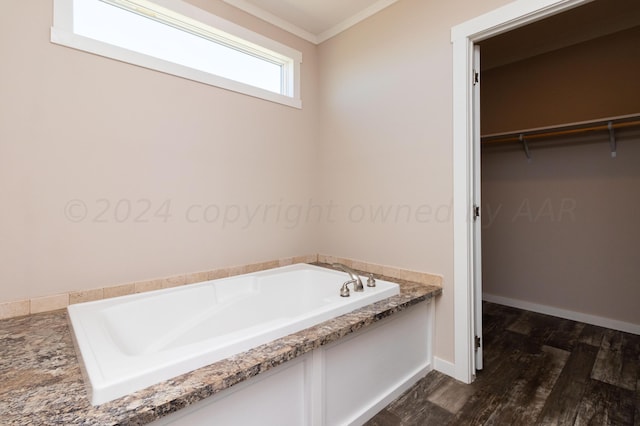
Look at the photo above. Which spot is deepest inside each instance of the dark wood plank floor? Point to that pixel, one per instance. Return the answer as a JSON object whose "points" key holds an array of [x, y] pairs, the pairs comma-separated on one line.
{"points": [[538, 370]]}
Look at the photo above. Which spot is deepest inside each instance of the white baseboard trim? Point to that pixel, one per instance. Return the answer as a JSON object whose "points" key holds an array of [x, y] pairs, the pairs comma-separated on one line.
{"points": [[562, 313], [445, 367]]}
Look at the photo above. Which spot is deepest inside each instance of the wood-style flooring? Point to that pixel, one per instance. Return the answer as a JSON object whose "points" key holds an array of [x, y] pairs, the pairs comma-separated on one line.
{"points": [[538, 370]]}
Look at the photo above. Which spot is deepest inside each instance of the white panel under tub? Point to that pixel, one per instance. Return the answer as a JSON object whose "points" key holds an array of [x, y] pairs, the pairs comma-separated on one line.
{"points": [[276, 398], [364, 369], [343, 383]]}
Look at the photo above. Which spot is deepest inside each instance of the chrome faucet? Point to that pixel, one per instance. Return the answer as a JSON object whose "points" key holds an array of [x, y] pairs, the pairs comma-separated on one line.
{"points": [[355, 279]]}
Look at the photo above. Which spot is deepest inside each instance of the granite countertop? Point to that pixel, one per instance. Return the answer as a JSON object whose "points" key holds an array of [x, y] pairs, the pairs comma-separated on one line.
{"points": [[41, 381]]}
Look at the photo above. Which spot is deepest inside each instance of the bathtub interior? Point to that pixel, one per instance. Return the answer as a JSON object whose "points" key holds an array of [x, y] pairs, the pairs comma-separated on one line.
{"points": [[132, 342]]}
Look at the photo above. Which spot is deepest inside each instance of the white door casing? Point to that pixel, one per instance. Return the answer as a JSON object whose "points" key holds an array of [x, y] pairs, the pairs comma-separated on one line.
{"points": [[463, 37], [477, 220]]}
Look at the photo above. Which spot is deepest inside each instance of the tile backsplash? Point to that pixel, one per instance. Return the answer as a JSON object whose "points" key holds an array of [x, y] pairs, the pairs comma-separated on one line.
{"points": [[61, 301]]}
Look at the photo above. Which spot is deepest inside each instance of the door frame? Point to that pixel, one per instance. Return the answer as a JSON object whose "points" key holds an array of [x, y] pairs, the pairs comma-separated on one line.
{"points": [[463, 38]]}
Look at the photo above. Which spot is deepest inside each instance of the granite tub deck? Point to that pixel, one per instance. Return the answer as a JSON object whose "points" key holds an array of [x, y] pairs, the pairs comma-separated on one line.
{"points": [[41, 380]]}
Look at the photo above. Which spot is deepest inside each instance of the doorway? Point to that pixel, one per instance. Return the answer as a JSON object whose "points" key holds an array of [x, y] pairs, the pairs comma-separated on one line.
{"points": [[508, 24], [465, 116], [554, 199]]}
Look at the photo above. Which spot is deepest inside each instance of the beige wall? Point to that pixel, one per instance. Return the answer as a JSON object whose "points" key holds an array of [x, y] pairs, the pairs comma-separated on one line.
{"points": [[386, 105], [561, 231], [586, 81], [375, 132], [75, 126]]}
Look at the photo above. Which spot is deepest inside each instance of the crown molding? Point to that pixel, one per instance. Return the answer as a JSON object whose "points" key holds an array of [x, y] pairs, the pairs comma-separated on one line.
{"points": [[353, 20], [260, 13]]}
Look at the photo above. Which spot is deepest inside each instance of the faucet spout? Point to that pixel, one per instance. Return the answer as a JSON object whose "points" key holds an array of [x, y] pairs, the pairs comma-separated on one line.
{"points": [[357, 282]]}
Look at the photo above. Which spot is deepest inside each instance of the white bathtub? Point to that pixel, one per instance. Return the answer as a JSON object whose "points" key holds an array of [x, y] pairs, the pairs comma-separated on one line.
{"points": [[131, 342]]}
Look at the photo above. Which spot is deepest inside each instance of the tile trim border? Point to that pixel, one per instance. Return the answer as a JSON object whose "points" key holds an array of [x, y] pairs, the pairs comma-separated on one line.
{"points": [[387, 271], [60, 301]]}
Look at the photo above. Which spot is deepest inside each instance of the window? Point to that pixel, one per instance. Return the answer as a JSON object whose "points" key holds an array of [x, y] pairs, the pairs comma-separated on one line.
{"points": [[177, 38]]}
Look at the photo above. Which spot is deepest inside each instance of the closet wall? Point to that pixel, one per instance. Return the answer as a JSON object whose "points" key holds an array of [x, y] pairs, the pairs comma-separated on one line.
{"points": [[561, 231]]}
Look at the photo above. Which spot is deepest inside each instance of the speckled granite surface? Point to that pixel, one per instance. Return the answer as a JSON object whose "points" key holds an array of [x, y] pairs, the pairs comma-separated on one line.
{"points": [[41, 381]]}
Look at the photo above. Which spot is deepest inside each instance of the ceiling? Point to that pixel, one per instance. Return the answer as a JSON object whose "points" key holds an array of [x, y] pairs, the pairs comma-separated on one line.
{"points": [[592, 20], [312, 20], [319, 20]]}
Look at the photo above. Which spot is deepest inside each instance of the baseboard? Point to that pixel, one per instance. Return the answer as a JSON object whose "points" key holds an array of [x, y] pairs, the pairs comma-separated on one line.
{"points": [[562, 313], [444, 367]]}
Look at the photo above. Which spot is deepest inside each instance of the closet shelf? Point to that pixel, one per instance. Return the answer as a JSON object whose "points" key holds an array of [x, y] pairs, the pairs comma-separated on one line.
{"points": [[609, 125]]}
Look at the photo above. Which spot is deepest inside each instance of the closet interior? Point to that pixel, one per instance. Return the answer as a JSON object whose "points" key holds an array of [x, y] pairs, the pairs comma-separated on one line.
{"points": [[560, 159]]}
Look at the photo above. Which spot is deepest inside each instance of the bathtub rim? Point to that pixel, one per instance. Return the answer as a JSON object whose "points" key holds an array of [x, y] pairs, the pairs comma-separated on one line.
{"points": [[96, 390]]}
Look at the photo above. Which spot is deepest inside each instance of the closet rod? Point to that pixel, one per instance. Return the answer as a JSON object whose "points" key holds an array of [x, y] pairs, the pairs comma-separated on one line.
{"points": [[565, 130]]}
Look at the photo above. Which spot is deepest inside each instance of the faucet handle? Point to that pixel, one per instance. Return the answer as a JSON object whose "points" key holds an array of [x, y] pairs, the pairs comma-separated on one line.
{"points": [[371, 282], [344, 290]]}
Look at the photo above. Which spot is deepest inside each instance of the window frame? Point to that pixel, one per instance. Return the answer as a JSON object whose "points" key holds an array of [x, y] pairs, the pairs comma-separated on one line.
{"points": [[62, 33]]}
